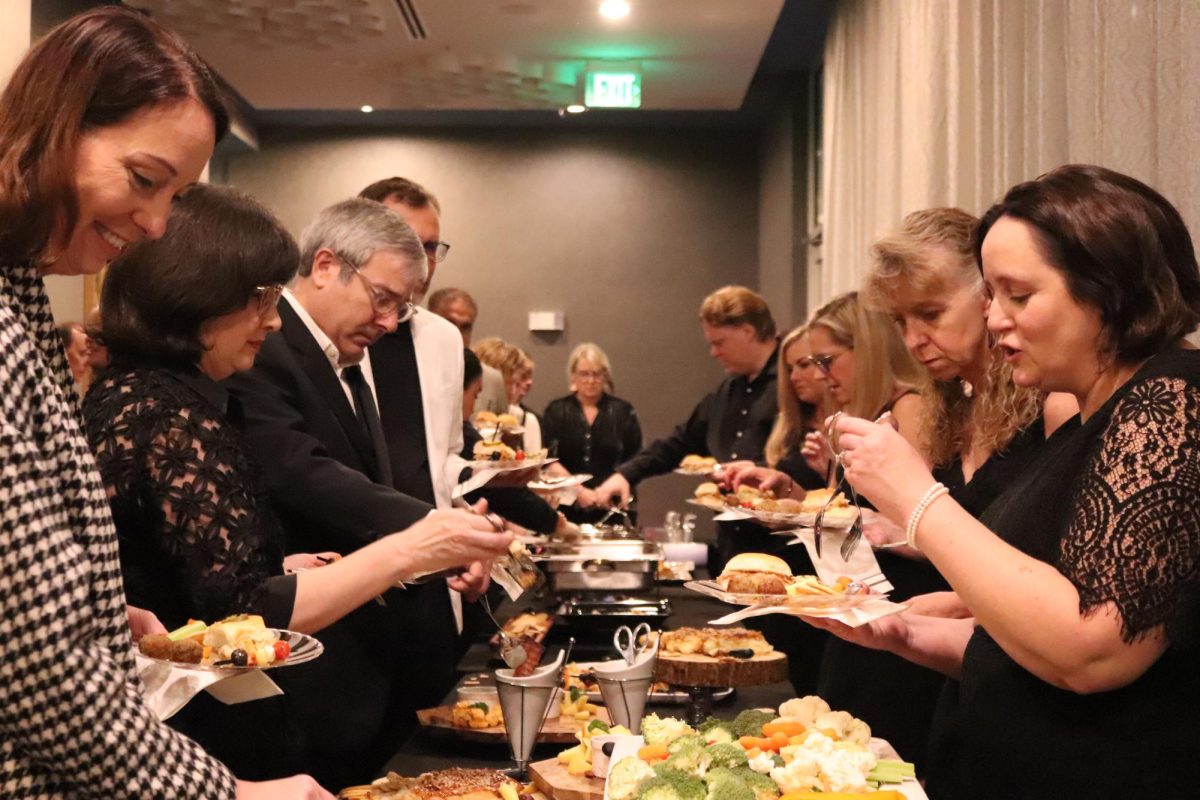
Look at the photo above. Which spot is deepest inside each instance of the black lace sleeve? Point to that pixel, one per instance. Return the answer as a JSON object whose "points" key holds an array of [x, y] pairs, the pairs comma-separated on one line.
{"points": [[1134, 537], [181, 486]]}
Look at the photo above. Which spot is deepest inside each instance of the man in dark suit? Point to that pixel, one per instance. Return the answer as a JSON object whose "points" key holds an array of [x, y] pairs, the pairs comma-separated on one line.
{"points": [[311, 415]]}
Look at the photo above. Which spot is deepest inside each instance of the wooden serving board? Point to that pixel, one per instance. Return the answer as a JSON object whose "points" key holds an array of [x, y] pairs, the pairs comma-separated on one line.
{"points": [[701, 670], [555, 731], [552, 778]]}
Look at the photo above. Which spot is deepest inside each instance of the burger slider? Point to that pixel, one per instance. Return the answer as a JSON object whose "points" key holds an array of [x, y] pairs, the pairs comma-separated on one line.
{"points": [[756, 573]]}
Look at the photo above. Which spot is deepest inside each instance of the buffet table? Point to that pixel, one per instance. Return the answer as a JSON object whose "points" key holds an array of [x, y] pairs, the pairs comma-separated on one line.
{"points": [[432, 749]]}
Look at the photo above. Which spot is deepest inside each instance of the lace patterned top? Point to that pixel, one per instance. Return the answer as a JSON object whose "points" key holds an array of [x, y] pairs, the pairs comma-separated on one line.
{"points": [[1113, 503], [197, 532], [72, 721]]}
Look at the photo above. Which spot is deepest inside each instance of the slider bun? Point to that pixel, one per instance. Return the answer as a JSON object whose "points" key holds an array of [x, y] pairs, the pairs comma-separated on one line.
{"points": [[758, 562], [707, 488], [485, 418]]}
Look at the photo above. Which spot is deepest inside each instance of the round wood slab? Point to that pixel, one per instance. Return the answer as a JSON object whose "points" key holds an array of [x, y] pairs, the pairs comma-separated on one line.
{"points": [[700, 670]]}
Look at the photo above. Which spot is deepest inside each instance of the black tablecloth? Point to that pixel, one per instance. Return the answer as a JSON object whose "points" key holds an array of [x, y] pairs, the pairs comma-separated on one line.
{"points": [[434, 749]]}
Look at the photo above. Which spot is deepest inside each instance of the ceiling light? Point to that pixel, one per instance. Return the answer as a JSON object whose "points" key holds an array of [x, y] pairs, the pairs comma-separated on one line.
{"points": [[368, 109], [614, 9], [576, 108]]}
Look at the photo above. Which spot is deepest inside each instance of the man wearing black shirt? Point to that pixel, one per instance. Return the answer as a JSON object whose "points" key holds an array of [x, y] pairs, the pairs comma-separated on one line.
{"points": [[733, 422]]}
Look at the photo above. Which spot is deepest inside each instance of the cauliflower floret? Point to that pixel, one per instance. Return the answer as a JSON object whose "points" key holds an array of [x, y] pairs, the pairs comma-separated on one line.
{"points": [[803, 709], [664, 730], [800, 775], [762, 763], [846, 770], [626, 776]]}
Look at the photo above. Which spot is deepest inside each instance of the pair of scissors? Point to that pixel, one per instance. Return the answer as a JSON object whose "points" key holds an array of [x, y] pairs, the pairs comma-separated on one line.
{"points": [[626, 641]]}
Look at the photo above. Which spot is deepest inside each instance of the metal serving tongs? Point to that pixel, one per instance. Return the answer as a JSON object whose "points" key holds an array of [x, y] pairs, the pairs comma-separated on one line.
{"points": [[512, 652], [856, 527]]}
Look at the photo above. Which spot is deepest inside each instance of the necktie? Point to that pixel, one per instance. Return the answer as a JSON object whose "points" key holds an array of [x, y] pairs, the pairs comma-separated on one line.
{"points": [[368, 415]]}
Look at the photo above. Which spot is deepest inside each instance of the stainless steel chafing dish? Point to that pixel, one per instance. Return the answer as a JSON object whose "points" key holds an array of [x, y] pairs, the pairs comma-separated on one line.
{"points": [[614, 565]]}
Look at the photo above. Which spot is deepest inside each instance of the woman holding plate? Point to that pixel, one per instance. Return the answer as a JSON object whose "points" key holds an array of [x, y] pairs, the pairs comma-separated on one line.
{"points": [[197, 532], [103, 123], [1084, 575]]}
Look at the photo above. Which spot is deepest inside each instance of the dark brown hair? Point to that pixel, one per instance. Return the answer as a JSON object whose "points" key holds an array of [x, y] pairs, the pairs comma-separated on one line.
{"points": [[1122, 248], [219, 245], [98, 68], [408, 192]]}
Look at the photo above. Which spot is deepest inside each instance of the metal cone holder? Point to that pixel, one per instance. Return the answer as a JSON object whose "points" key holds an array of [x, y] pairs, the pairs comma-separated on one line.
{"points": [[626, 689], [526, 706]]}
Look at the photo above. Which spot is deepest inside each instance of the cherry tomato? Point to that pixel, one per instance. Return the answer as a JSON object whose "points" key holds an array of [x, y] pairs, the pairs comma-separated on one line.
{"points": [[520, 455], [282, 650]]}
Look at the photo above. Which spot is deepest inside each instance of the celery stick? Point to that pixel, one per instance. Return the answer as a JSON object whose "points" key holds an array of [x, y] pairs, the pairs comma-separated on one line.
{"points": [[191, 629]]}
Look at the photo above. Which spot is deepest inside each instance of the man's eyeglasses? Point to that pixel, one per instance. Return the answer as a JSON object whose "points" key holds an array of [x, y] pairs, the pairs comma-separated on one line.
{"points": [[384, 301], [436, 251], [268, 297]]}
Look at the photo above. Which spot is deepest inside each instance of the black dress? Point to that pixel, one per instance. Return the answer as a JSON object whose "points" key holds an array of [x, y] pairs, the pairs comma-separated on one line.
{"points": [[596, 449], [1113, 503], [868, 683], [197, 535]]}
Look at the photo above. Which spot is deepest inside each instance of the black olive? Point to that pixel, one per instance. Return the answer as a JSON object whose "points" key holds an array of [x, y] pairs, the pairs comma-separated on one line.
{"points": [[239, 658], [747, 653], [495, 455], [607, 748]]}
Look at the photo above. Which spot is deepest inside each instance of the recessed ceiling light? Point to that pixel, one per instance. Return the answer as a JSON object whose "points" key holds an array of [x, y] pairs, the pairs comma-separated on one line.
{"points": [[575, 108], [368, 109], [614, 9]]}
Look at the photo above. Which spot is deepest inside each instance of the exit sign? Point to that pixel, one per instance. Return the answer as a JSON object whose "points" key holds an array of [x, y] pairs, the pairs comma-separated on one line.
{"points": [[613, 90]]}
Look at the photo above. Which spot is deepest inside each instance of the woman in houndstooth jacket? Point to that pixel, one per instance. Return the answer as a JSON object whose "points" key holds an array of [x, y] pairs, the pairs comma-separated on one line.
{"points": [[103, 123]]}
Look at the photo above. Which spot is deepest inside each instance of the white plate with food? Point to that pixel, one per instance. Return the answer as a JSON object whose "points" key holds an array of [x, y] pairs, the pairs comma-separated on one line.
{"points": [[511, 464], [553, 484], [235, 643]]}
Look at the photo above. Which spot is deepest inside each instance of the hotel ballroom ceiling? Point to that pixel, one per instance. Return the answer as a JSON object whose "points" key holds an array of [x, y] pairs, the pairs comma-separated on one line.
{"points": [[327, 58]]}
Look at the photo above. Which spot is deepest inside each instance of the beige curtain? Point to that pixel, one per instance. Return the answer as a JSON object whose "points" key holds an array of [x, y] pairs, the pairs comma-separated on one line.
{"points": [[950, 102]]}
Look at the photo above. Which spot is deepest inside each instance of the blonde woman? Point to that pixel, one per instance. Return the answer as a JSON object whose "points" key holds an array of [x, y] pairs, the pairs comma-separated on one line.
{"points": [[517, 368], [803, 404], [590, 430]]}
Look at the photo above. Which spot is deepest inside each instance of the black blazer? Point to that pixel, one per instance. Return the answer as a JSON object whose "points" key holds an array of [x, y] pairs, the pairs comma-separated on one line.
{"points": [[351, 702], [317, 458]]}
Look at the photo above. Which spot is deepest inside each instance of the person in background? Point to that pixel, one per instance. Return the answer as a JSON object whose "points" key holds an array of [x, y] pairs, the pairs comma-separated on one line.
{"points": [[134, 115], [590, 430], [460, 309], [97, 353], [421, 210], [1082, 577], [199, 538], [803, 406], [75, 344], [517, 368], [515, 503]]}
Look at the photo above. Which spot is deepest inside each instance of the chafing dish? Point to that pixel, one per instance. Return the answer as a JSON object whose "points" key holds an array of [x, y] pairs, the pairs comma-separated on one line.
{"points": [[627, 565], [615, 608]]}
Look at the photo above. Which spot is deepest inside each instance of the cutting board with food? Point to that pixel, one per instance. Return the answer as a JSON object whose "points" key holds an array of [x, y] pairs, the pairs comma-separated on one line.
{"points": [[554, 779], [561, 730]]}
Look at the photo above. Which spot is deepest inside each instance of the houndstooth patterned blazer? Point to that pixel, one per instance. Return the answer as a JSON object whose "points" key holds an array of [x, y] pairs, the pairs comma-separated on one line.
{"points": [[72, 722]]}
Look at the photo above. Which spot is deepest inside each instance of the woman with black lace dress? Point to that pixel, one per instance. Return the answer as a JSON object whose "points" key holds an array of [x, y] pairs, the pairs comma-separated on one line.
{"points": [[1081, 667], [198, 537]]}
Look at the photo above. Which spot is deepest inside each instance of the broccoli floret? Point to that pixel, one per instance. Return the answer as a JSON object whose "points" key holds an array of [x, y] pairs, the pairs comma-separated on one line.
{"points": [[672, 785], [691, 759], [727, 786], [718, 773], [750, 722], [778, 759], [711, 722], [687, 740], [764, 786], [727, 755]]}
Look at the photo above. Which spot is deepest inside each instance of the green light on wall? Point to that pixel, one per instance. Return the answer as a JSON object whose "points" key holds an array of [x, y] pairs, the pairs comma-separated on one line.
{"points": [[613, 89]]}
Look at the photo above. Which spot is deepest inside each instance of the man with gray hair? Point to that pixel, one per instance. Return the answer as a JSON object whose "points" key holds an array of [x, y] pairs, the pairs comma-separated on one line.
{"points": [[312, 421]]}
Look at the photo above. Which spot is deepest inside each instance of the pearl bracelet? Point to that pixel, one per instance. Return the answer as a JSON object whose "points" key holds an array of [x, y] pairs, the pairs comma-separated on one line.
{"points": [[914, 517]]}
